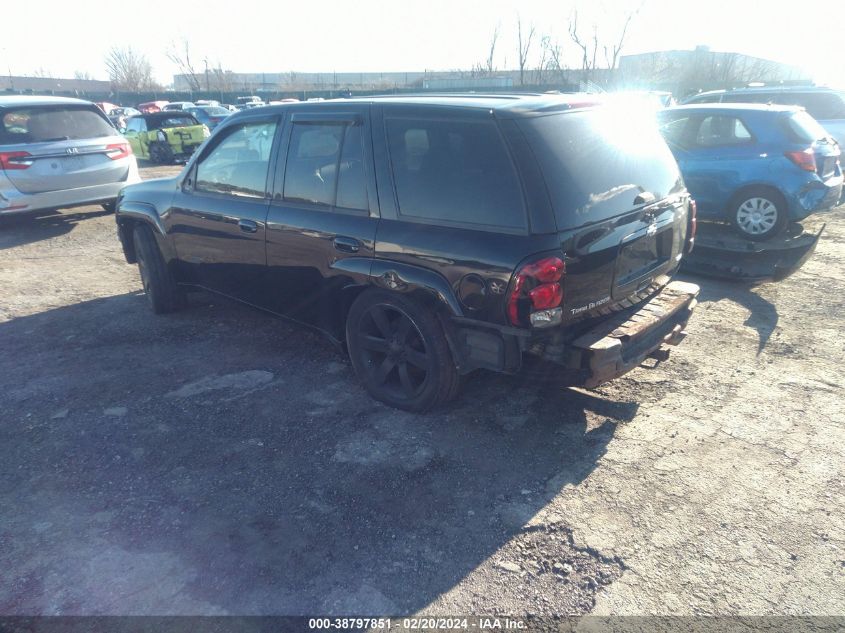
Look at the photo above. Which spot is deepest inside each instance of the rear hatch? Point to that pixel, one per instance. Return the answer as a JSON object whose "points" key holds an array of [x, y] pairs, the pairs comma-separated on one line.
{"points": [[59, 147], [619, 201], [183, 131], [805, 130]]}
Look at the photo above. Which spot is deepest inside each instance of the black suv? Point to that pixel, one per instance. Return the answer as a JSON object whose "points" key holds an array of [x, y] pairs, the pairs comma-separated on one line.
{"points": [[433, 235]]}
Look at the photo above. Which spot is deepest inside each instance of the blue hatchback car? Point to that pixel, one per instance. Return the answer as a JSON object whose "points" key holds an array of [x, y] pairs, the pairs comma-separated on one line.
{"points": [[755, 166]]}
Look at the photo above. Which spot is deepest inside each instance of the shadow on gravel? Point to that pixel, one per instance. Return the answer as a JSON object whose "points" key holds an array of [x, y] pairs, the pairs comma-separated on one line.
{"points": [[763, 315], [27, 228], [221, 461]]}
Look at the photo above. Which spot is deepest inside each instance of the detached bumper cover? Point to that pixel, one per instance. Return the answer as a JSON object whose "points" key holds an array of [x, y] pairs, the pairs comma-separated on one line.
{"points": [[620, 344], [720, 253]]}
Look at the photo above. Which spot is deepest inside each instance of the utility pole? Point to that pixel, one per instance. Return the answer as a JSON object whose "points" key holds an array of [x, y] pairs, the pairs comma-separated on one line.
{"points": [[207, 84]]}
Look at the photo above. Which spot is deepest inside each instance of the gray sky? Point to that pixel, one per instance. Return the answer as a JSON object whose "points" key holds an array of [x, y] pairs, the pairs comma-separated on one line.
{"points": [[61, 36]]}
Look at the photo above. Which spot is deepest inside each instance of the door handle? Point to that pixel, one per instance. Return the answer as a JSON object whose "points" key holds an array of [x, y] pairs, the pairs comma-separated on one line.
{"points": [[346, 244], [248, 226]]}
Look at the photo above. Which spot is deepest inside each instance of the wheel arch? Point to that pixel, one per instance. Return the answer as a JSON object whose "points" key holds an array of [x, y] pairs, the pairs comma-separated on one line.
{"points": [[132, 214]]}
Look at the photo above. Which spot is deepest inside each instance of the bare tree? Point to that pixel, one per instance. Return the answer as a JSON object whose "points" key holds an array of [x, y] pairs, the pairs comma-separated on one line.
{"points": [[489, 67], [573, 34], [181, 56], [41, 72], [82, 74], [129, 69], [611, 56], [524, 47], [590, 46]]}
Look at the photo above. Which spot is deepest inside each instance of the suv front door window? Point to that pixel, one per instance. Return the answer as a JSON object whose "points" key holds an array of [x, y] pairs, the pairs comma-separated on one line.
{"points": [[220, 213]]}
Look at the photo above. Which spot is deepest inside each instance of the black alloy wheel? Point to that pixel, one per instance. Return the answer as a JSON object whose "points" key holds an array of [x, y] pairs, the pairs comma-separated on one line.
{"points": [[399, 351]]}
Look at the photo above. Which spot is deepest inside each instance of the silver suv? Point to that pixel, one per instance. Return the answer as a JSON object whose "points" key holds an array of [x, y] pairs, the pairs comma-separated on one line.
{"points": [[57, 153]]}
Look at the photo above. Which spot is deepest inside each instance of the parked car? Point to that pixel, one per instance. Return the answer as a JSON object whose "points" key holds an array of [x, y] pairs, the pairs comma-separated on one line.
{"points": [[755, 166], [207, 102], [58, 153], [105, 106], [178, 105], [433, 235], [252, 99], [210, 116], [119, 115], [152, 106], [165, 137], [825, 105]]}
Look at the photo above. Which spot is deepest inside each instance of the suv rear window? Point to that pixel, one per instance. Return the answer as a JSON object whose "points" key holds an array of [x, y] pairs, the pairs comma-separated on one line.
{"points": [[820, 105], [52, 123], [454, 172], [177, 120], [596, 162], [803, 128]]}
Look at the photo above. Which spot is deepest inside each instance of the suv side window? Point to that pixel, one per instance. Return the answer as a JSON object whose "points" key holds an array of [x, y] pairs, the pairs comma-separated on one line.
{"points": [[325, 165], [454, 171], [820, 105], [719, 130], [238, 164], [748, 97]]}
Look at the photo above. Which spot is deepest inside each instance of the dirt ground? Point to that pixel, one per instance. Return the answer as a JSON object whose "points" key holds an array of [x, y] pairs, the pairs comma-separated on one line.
{"points": [[221, 461]]}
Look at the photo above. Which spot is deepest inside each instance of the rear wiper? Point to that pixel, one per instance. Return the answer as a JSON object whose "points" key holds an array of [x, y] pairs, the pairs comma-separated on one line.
{"points": [[58, 138]]}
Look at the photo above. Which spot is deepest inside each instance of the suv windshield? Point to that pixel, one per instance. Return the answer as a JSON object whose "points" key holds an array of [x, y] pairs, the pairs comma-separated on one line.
{"points": [[38, 124], [596, 162]]}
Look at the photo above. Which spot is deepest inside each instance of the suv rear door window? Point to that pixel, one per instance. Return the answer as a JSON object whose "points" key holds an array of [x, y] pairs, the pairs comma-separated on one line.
{"points": [[596, 162], [40, 124], [454, 171], [325, 165]]}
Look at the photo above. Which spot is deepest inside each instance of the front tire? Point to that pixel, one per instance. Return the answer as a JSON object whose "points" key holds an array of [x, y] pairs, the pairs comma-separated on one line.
{"points": [[759, 213], [399, 352], [162, 291]]}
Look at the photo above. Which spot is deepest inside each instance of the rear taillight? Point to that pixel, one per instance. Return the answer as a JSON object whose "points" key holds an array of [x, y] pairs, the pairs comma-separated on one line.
{"points": [[15, 160], [537, 293], [116, 151], [805, 159], [692, 225]]}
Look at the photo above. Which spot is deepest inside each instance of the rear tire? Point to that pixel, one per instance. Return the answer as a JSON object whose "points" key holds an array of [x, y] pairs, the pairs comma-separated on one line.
{"points": [[162, 291], [161, 153], [399, 352], [110, 206], [759, 213]]}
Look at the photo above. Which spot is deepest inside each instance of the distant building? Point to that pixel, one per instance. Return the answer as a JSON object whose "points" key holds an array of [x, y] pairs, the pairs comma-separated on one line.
{"points": [[59, 86], [684, 71]]}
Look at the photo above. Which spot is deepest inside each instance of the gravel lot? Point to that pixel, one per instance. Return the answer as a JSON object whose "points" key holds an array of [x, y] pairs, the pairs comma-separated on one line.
{"points": [[222, 461]]}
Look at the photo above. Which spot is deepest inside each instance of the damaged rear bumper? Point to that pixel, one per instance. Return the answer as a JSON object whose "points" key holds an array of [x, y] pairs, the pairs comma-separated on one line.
{"points": [[619, 344]]}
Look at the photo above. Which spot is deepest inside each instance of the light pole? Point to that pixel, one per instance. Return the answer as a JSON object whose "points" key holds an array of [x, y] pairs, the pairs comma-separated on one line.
{"points": [[8, 68]]}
